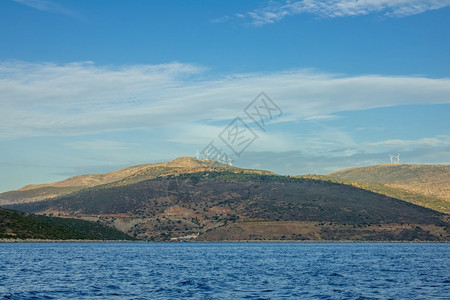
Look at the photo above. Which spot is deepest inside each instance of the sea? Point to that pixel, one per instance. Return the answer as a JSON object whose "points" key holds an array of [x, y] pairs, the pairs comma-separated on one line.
{"points": [[140, 270]]}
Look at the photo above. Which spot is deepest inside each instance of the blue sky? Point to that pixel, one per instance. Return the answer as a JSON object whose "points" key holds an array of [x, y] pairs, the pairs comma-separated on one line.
{"points": [[93, 86]]}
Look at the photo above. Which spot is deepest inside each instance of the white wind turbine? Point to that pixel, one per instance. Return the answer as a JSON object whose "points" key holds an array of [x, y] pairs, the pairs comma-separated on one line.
{"points": [[392, 158], [197, 154]]}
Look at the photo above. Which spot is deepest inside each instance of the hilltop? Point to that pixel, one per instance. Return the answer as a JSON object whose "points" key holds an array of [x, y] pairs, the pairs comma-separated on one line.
{"points": [[34, 193]]}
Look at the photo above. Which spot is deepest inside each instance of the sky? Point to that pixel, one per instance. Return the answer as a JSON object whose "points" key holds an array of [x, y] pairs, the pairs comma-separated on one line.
{"points": [[295, 87]]}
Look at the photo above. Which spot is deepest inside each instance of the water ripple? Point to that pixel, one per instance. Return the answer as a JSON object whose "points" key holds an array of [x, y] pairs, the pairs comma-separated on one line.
{"points": [[224, 271]]}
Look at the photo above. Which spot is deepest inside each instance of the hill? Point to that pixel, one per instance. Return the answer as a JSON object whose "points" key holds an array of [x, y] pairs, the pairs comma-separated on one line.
{"points": [[15, 225], [234, 204], [34, 193], [426, 185], [429, 180], [398, 193]]}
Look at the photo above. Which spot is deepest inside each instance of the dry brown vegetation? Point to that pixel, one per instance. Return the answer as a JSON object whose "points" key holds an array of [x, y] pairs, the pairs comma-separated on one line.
{"points": [[428, 180]]}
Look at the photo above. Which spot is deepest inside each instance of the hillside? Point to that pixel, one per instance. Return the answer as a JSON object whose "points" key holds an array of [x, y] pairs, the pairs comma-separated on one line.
{"points": [[34, 193], [394, 192], [237, 205], [429, 180], [15, 225], [427, 185]]}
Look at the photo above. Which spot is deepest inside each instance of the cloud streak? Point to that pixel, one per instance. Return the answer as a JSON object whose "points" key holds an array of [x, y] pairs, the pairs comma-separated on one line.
{"points": [[43, 99], [301, 162], [278, 10], [100, 145], [44, 5]]}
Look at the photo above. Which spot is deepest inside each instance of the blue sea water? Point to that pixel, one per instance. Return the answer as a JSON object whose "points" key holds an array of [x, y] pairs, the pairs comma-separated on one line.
{"points": [[224, 271]]}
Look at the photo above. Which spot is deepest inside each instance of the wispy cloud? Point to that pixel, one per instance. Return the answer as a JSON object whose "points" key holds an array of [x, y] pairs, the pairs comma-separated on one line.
{"points": [[321, 117], [299, 162], [328, 157], [100, 144], [77, 98], [113, 116], [43, 99], [277, 10], [398, 144], [47, 6]]}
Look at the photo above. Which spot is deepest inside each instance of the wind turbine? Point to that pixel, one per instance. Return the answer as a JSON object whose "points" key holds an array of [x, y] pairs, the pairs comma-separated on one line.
{"points": [[219, 157], [207, 154], [197, 154], [392, 158], [398, 159], [229, 161]]}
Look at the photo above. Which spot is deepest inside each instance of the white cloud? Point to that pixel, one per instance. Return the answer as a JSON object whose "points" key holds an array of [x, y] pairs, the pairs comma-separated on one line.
{"points": [[297, 162], [321, 117], [338, 144], [323, 157], [398, 144], [44, 5], [276, 11], [39, 99], [203, 134], [100, 144]]}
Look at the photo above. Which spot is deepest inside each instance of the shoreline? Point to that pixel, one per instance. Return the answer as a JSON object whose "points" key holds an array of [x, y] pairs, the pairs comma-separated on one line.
{"points": [[13, 241]]}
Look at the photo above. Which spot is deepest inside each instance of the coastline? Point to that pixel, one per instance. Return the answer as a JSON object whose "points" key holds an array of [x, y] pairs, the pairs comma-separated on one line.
{"points": [[13, 241]]}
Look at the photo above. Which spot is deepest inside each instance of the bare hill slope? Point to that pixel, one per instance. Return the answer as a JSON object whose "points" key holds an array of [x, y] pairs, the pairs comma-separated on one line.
{"points": [[428, 180]]}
